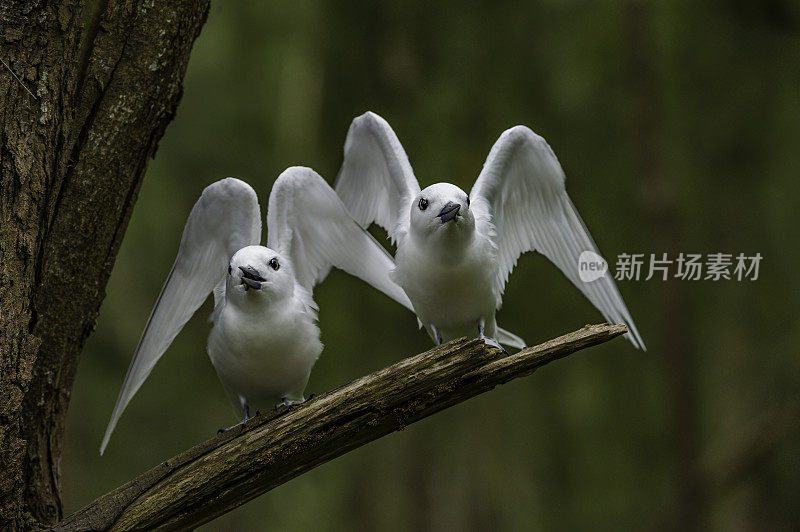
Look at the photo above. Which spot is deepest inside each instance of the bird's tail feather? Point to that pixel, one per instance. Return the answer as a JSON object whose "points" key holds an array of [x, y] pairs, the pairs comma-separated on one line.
{"points": [[509, 339]]}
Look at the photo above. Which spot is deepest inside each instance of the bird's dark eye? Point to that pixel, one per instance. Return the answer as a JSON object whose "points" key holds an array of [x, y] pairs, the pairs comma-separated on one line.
{"points": [[229, 269], [423, 204], [274, 264]]}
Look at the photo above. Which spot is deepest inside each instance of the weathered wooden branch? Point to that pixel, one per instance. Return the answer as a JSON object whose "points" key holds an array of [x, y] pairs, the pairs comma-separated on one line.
{"points": [[225, 472]]}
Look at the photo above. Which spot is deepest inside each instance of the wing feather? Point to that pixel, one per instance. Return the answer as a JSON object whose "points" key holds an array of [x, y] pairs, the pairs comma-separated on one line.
{"points": [[225, 219], [520, 201], [376, 182], [307, 221]]}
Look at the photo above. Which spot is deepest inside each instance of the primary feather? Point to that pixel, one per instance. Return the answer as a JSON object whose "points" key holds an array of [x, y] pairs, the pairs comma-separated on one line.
{"points": [[308, 220], [224, 219], [376, 181], [520, 199]]}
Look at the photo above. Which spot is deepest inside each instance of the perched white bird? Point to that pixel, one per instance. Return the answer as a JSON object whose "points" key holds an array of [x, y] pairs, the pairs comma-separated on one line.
{"points": [[455, 251], [264, 339]]}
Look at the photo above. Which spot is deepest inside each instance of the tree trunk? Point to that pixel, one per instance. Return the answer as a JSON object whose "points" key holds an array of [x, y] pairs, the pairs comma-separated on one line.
{"points": [[86, 91]]}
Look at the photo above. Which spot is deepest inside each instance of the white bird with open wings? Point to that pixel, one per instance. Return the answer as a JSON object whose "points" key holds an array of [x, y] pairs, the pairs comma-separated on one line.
{"points": [[455, 251], [264, 340]]}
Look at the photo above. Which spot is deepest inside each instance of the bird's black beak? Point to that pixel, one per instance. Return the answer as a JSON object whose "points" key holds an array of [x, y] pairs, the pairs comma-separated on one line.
{"points": [[251, 278], [449, 212]]}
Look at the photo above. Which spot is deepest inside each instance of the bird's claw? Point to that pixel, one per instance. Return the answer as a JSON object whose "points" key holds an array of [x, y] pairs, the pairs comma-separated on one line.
{"points": [[488, 340], [247, 417], [287, 403], [239, 424], [493, 343]]}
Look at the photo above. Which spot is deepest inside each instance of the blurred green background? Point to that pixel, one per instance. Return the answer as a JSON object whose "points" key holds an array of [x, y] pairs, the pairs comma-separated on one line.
{"points": [[678, 125]]}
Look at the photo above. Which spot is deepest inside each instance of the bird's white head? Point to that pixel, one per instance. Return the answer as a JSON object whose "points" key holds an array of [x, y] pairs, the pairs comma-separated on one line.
{"points": [[257, 272], [441, 211]]}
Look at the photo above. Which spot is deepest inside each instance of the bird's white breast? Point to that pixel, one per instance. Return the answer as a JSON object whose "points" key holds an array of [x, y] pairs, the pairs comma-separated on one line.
{"points": [[450, 289], [266, 354]]}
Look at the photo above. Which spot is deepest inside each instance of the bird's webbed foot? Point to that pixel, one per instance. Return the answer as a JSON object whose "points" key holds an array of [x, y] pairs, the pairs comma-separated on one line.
{"points": [[489, 340], [288, 403], [242, 422]]}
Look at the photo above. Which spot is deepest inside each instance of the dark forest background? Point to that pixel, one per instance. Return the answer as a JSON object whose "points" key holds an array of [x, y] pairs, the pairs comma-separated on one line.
{"points": [[678, 125]]}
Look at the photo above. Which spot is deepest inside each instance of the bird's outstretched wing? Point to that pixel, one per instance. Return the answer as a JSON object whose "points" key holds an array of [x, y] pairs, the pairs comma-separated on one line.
{"points": [[519, 199], [225, 219], [376, 182], [307, 221]]}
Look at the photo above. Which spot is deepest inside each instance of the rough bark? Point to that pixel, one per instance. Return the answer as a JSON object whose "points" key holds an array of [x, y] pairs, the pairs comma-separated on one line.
{"points": [[222, 473], [86, 90]]}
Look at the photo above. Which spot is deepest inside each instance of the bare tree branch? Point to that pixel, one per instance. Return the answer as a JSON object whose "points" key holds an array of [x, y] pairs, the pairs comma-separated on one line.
{"points": [[220, 474]]}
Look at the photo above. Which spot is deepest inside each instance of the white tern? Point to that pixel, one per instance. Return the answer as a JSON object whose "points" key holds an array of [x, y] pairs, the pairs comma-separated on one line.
{"points": [[264, 340], [455, 251]]}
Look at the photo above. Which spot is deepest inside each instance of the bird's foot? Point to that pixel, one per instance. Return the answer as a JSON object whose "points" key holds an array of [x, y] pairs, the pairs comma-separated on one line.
{"points": [[247, 417], [288, 403], [239, 424], [494, 343], [490, 341]]}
